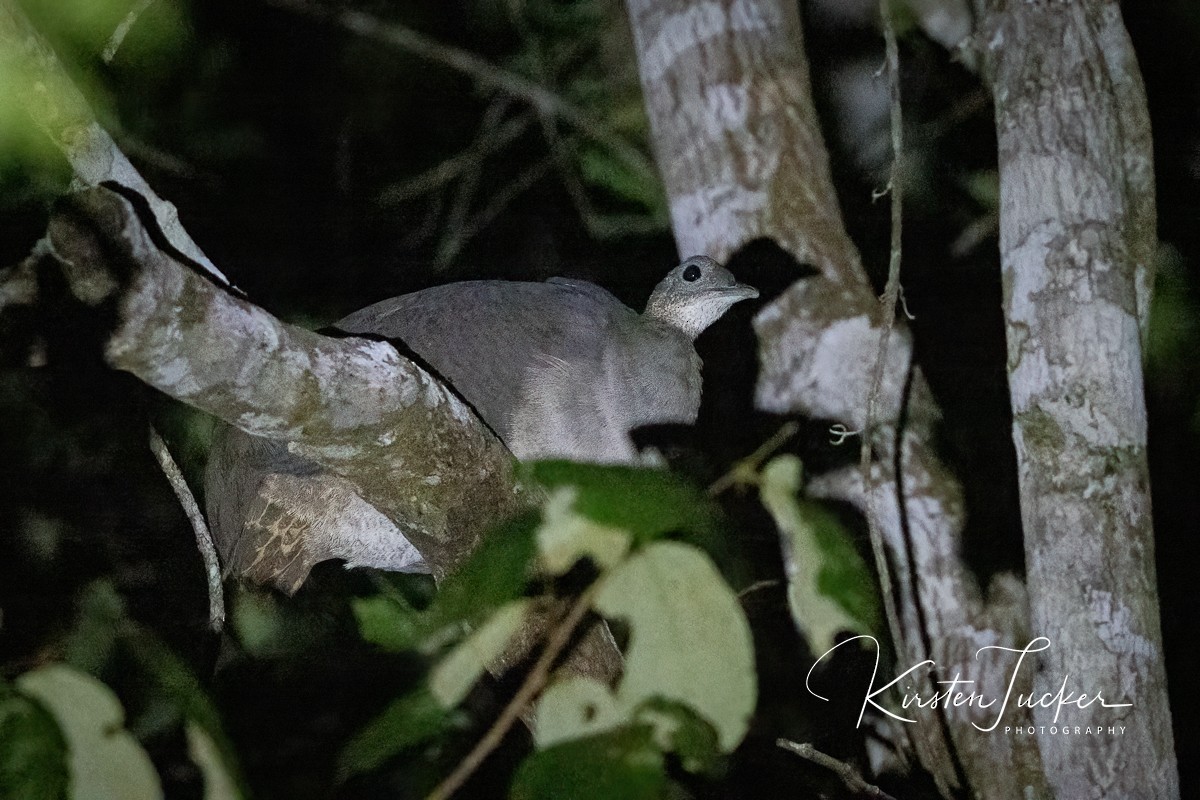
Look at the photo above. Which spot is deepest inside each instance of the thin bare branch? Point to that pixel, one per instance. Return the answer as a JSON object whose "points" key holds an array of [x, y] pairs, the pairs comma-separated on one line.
{"points": [[887, 310], [204, 542], [479, 70], [122, 30], [534, 682], [848, 774], [438, 176], [453, 238], [746, 469]]}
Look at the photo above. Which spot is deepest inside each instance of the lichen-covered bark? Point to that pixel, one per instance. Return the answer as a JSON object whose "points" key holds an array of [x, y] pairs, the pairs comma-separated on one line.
{"points": [[736, 140], [32, 73], [741, 154], [355, 406], [1077, 238], [401, 439]]}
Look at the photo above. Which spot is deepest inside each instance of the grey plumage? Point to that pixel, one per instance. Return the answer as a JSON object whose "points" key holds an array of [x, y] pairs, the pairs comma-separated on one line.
{"points": [[562, 368], [557, 369]]}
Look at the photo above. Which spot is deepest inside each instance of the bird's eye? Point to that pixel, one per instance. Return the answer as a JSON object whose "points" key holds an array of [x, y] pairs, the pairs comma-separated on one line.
{"points": [[691, 273]]}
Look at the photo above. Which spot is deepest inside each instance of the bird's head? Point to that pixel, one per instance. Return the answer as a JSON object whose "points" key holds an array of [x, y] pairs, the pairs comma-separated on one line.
{"points": [[695, 294]]}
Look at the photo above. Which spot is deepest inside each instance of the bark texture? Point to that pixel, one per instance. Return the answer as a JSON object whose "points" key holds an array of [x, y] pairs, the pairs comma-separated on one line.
{"points": [[1077, 238], [740, 150], [58, 108], [405, 442], [413, 449]]}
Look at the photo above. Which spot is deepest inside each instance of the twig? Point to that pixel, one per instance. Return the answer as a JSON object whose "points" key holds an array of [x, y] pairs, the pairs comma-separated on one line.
{"points": [[446, 171], [887, 302], [745, 469], [118, 35], [849, 775], [562, 158], [501, 199], [204, 542], [479, 70], [534, 682], [757, 586], [453, 238]]}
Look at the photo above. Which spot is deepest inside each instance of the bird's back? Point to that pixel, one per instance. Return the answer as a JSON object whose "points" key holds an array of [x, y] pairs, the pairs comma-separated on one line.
{"points": [[560, 368]]}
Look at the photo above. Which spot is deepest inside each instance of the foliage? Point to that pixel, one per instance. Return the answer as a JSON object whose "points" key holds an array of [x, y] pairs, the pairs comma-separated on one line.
{"points": [[278, 137], [683, 701], [830, 589]]}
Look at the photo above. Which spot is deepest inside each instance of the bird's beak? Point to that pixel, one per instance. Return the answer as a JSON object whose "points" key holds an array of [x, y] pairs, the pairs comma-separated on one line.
{"points": [[741, 291]]}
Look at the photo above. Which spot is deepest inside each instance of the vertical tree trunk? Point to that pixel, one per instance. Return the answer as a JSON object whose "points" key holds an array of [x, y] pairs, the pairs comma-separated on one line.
{"points": [[1077, 237], [737, 140], [734, 131]]}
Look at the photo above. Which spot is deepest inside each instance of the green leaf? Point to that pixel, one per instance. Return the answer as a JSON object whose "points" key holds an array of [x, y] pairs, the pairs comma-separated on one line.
{"points": [[689, 644], [648, 503], [406, 722], [577, 707], [679, 730], [565, 535], [458, 671], [829, 586], [106, 762], [493, 575], [171, 691], [388, 621], [99, 626], [173, 684], [622, 764], [984, 188], [219, 781], [33, 753]]}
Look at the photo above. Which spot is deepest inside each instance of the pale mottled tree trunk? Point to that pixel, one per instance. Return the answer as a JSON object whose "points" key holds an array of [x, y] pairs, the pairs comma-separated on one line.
{"points": [[1077, 239], [737, 141]]}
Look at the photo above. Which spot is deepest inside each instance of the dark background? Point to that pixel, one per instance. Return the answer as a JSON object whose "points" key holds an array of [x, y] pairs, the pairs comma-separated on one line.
{"points": [[283, 139]]}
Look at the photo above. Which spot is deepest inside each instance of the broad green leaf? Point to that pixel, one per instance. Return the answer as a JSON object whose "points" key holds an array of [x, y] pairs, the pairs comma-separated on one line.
{"points": [[623, 764], [493, 575], [219, 782], [577, 707], [388, 621], [99, 626], [459, 669], [171, 692], [679, 730], [829, 587], [406, 722], [648, 503], [106, 762], [172, 683], [33, 753], [689, 643], [689, 640], [565, 535]]}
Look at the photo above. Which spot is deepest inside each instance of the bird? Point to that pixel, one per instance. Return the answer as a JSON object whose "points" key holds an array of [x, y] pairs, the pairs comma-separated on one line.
{"points": [[557, 369]]}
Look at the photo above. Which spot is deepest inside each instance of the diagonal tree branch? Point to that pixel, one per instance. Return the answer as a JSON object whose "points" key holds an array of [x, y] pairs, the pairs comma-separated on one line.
{"points": [[33, 73], [414, 450]]}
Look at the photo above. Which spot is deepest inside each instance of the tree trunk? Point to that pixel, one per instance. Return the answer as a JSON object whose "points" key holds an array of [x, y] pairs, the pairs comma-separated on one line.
{"points": [[737, 140], [1077, 238]]}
